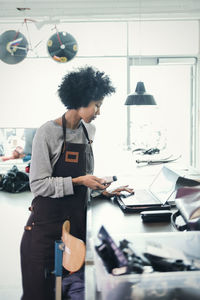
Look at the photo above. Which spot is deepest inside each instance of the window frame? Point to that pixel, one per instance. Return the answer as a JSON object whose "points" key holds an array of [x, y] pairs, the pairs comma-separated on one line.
{"points": [[135, 60]]}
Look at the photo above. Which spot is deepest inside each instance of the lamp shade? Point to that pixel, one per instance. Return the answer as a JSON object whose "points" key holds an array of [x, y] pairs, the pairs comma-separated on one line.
{"points": [[140, 97]]}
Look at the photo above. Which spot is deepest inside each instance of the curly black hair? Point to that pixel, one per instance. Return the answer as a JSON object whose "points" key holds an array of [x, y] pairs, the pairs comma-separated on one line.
{"points": [[79, 88]]}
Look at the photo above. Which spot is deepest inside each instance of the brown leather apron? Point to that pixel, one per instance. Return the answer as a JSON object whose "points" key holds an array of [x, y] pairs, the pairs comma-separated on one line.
{"points": [[44, 225]]}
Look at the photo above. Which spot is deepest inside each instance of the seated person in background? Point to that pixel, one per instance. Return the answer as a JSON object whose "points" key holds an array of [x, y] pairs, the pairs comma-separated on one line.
{"points": [[16, 153], [19, 151]]}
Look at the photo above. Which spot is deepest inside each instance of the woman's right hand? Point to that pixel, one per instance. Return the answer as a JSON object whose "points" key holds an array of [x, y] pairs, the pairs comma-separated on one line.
{"points": [[91, 181]]}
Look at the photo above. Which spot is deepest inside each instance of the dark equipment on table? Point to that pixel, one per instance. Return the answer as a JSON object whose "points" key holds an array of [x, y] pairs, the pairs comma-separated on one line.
{"points": [[120, 260], [125, 260], [112, 256]]}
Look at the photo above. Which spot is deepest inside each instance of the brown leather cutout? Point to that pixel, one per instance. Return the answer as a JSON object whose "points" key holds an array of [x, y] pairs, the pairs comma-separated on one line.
{"points": [[71, 156], [75, 250]]}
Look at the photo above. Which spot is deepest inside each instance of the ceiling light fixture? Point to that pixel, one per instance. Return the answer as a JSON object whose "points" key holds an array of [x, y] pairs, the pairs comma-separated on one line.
{"points": [[140, 97]]}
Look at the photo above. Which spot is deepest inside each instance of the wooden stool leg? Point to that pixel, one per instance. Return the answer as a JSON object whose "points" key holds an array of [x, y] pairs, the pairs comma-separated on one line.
{"points": [[59, 246]]}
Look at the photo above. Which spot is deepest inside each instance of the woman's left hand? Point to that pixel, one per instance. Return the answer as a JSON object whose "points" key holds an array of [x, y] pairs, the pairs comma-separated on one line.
{"points": [[118, 191]]}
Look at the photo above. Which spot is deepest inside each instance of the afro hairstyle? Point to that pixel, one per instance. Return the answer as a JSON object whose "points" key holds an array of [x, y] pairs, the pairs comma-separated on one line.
{"points": [[78, 88]]}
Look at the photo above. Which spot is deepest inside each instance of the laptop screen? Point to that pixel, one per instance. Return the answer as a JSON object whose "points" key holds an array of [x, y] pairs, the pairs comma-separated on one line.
{"points": [[164, 184]]}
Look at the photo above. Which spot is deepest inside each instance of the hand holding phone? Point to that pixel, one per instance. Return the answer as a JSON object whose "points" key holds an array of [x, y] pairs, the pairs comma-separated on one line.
{"points": [[109, 179]]}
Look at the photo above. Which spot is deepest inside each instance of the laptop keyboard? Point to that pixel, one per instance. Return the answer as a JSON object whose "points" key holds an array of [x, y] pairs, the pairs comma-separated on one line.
{"points": [[143, 196], [140, 197]]}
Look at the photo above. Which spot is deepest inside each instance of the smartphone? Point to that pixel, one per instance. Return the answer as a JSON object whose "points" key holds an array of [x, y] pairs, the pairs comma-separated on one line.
{"points": [[109, 179], [156, 216]]}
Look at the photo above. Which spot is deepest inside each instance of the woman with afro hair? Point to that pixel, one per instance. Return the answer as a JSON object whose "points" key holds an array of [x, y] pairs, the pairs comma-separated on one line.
{"points": [[60, 177]]}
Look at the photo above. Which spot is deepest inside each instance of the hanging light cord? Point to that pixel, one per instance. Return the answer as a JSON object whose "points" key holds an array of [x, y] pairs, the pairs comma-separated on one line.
{"points": [[140, 35]]}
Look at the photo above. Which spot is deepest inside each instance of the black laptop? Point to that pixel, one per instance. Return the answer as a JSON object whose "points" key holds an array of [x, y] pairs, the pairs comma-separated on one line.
{"points": [[156, 196]]}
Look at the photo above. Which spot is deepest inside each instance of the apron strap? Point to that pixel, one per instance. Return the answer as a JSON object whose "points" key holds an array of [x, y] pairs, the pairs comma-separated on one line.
{"points": [[86, 133], [64, 132]]}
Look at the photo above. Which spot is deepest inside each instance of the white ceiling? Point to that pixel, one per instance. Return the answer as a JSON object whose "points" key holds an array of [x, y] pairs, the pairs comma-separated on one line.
{"points": [[69, 10]]}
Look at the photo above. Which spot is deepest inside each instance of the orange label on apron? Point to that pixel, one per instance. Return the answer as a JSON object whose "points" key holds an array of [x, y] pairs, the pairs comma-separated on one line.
{"points": [[71, 156]]}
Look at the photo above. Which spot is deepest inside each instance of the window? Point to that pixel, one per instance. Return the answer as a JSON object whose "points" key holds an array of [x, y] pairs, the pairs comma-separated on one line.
{"points": [[166, 126]]}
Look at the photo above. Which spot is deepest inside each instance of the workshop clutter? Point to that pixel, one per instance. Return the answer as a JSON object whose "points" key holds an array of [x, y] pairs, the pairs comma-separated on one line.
{"points": [[187, 217], [14, 181], [148, 266]]}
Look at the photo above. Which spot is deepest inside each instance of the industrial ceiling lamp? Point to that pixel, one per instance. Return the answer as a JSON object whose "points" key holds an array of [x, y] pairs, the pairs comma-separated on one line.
{"points": [[140, 97]]}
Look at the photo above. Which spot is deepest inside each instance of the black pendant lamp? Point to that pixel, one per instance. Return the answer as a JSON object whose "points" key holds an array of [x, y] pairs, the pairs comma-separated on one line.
{"points": [[140, 97]]}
